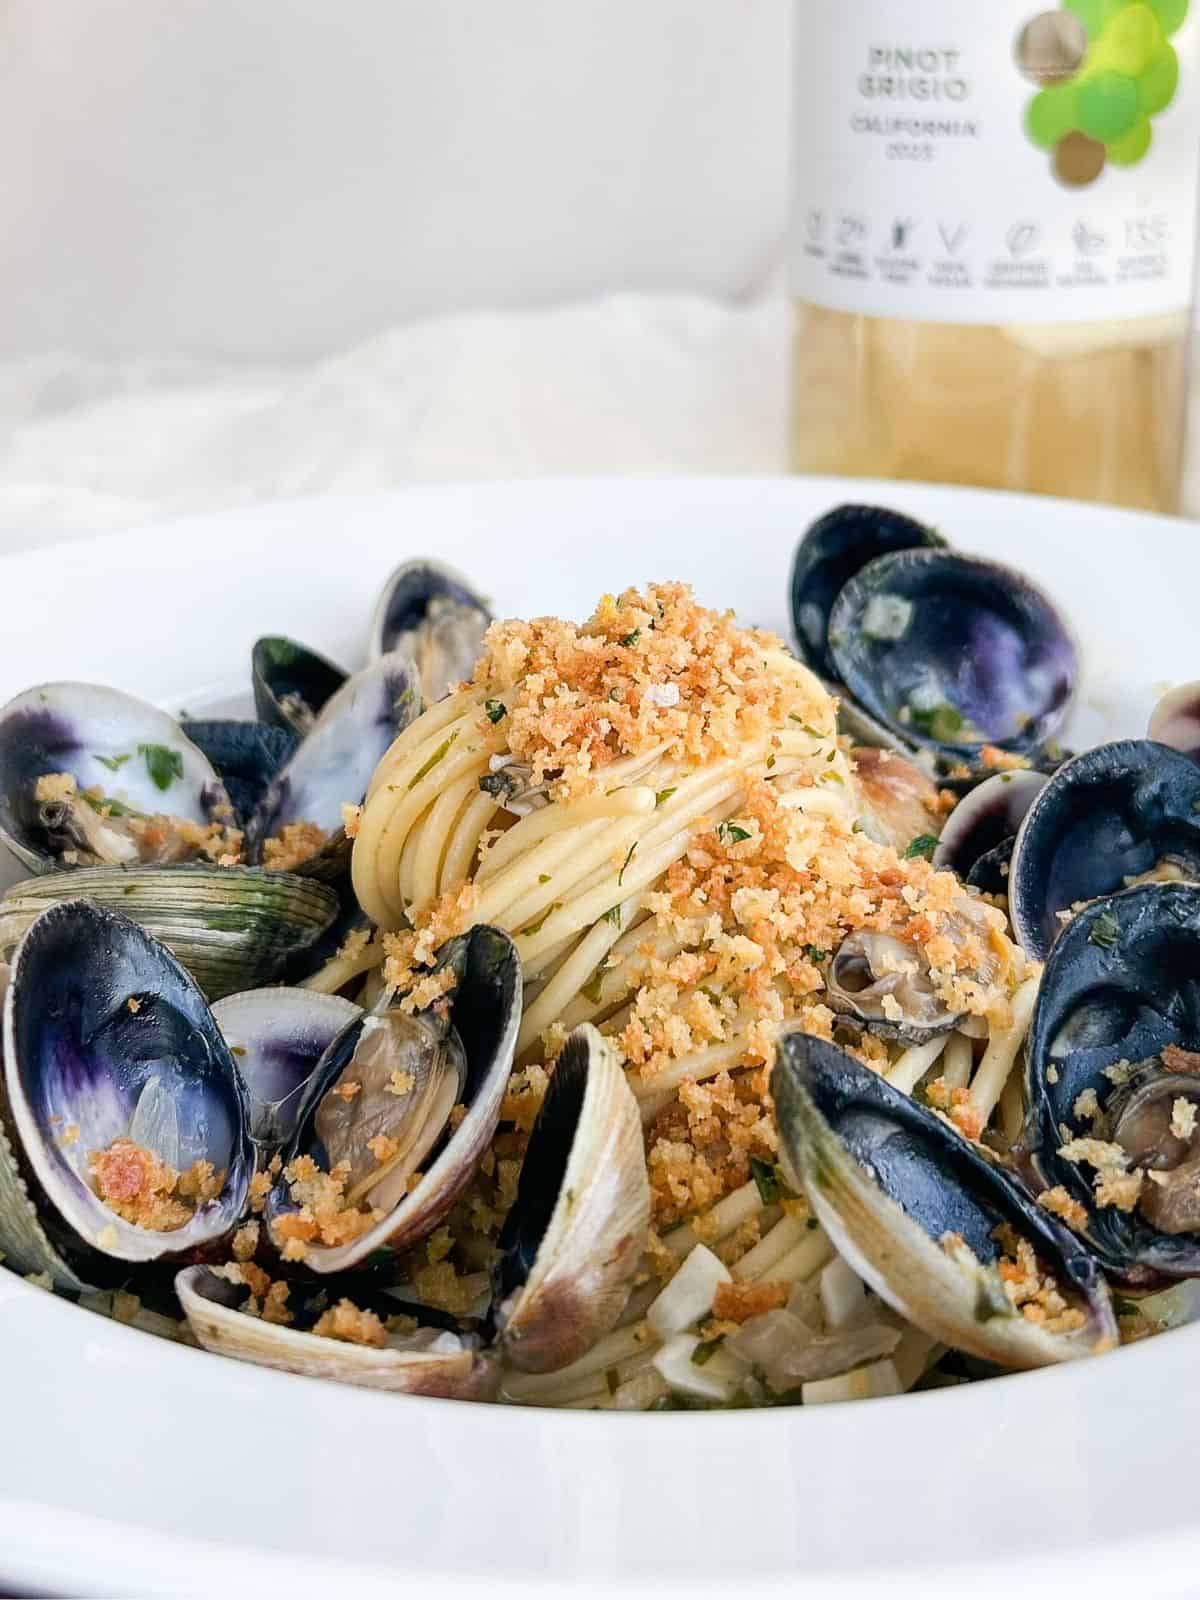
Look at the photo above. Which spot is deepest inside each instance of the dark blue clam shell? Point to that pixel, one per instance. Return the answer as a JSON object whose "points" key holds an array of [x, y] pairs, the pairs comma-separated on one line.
{"points": [[245, 754], [405, 600], [96, 1009], [1107, 815], [335, 762], [1121, 983], [835, 549], [292, 683], [939, 1179], [952, 653]]}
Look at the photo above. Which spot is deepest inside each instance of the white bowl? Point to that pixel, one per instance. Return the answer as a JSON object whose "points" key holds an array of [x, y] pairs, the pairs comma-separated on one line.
{"points": [[135, 1466]]}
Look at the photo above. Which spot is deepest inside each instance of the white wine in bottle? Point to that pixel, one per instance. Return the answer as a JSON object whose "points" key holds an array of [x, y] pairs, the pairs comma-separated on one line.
{"points": [[993, 243]]}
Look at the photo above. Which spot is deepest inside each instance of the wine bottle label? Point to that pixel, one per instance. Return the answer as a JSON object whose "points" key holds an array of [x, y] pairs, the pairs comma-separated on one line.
{"points": [[962, 161]]}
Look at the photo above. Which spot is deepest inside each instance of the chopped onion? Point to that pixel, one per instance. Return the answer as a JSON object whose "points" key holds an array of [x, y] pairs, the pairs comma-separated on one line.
{"points": [[864, 1383], [689, 1295], [718, 1378], [843, 1295]]}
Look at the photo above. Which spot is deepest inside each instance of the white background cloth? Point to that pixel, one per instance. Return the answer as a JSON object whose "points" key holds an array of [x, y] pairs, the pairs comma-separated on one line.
{"points": [[239, 244]]}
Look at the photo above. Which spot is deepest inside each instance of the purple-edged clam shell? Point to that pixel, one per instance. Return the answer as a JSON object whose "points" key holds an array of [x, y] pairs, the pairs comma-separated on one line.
{"points": [[953, 653]]}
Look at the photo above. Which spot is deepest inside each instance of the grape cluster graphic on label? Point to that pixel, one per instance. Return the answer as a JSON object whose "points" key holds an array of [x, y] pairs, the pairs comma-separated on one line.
{"points": [[1105, 70]]}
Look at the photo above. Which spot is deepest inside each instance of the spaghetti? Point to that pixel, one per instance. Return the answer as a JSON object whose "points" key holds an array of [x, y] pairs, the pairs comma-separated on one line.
{"points": [[657, 807]]}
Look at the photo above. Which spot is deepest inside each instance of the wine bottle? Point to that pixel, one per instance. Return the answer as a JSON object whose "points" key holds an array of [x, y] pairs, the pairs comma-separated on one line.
{"points": [[993, 242]]}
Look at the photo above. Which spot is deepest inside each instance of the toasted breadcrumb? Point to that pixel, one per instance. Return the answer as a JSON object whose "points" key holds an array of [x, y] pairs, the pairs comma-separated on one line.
{"points": [[295, 843], [1060, 1204], [1183, 1118], [1176, 1059], [738, 1302], [1114, 1184], [146, 1191], [400, 1082], [352, 1325]]}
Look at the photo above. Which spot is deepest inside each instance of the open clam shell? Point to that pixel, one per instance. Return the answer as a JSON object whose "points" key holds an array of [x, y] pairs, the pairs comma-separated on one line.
{"points": [[571, 1244], [106, 1037], [232, 927], [977, 839], [277, 1036], [431, 614], [484, 1015], [953, 653], [334, 764], [292, 683], [1107, 816], [430, 1362], [898, 803], [914, 1208], [1109, 1054], [833, 550], [885, 986], [131, 753], [245, 756], [1175, 720]]}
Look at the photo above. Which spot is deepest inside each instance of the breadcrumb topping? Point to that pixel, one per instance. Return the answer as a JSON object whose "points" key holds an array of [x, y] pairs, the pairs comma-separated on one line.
{"points": [[148, 1192], [650, 670]]}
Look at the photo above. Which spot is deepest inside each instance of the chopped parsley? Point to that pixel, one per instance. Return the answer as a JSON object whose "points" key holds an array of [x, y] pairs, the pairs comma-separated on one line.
{"points": [[923, 845], [811, 732], [628, 859], [113, 763], [766, 1180], [631, 639], [730, 833], [613, 914], [592, 989], [438, 755], [496, 710], [536, 927], [163, 765], [1105, 931], [111, 808], [706, 1350], [813, 954], [543, 877], [943, 723], [661, 798]]}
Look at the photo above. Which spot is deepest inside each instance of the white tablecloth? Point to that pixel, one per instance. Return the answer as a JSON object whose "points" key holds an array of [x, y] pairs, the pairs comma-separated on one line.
{"points": [[631, 384]]}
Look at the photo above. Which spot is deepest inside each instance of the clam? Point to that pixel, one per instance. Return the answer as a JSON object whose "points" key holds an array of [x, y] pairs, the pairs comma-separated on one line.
{"points": [[430, 1361], [1111, 815], [277, 1036], [292, 684], [1111, 1058], [430, 613], [835, 549], [110, 1050], [413, 1070], [925, 1217], [571, 1244], [302, 811], [245, 756], [899, 803], [885, 986], [231, 927], [89, 775], [951, 653], [978, 837], [1175, 720]]}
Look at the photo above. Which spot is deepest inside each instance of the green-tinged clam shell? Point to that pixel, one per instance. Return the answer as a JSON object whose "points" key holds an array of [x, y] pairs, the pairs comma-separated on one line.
{"points": [[233, 928]]}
